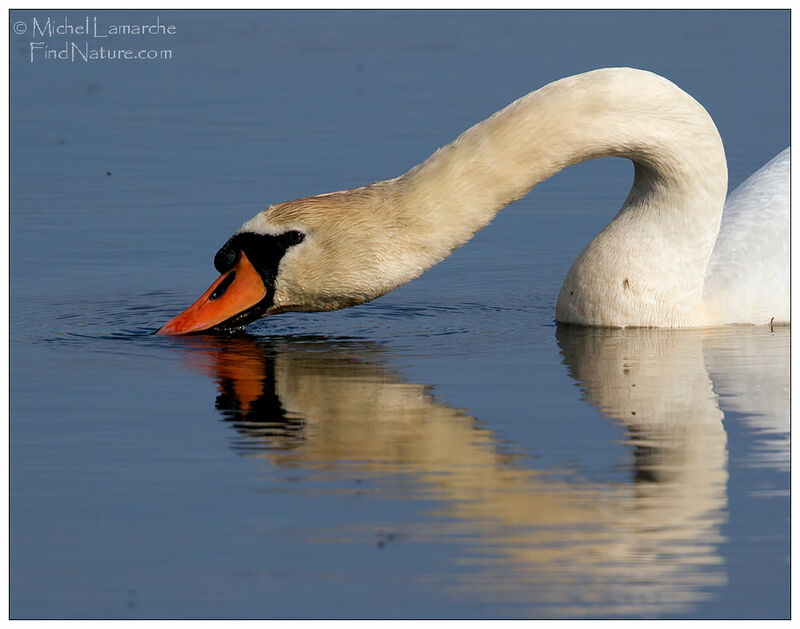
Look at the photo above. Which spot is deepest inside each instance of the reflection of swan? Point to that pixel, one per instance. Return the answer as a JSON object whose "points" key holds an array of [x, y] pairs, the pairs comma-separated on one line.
{"points": [[646, 268], [749, 369], [750, 372], [541, 536], [655, 382]]}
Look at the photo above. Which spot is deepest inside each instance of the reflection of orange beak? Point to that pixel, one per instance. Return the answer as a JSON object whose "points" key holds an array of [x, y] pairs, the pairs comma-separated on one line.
{"points": [[234, 292]]}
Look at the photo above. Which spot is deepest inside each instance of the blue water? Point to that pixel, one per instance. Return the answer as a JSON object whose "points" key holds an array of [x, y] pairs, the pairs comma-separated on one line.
{"points": [[444, 451]]}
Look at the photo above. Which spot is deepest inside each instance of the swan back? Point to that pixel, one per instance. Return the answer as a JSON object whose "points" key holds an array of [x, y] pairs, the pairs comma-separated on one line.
{"points": [[747, 279]]}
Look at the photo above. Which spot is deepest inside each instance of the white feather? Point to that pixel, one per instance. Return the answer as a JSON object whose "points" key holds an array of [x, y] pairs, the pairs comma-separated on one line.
{"points": [[747, 279]]}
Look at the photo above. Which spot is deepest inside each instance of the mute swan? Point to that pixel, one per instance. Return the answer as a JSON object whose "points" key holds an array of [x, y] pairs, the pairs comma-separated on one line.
{"points": [[648, 267]]}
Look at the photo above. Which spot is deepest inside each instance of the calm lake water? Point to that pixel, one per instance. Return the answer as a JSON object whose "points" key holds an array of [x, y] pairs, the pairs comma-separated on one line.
{"points": [[445, 451]]}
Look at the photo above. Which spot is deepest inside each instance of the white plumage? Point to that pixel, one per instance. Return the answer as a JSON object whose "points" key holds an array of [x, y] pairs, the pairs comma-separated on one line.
{"points": [[647, 268], [662, 261], [747, 279]]}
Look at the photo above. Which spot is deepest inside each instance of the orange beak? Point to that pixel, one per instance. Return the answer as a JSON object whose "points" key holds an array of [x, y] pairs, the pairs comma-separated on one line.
{"points": [[233, 292]]}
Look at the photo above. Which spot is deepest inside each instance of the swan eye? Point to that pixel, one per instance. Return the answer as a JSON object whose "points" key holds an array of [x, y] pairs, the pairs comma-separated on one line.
{"points": [[293, 238]]}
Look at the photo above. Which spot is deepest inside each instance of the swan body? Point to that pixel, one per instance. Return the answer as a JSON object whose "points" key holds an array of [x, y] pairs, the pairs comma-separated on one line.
{"points": [[747, 278], [650, 266]]}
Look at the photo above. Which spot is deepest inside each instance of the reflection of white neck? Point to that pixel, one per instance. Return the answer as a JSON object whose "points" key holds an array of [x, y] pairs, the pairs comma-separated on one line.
{"points": [[655, 383], [551, 532], [647, 266]]}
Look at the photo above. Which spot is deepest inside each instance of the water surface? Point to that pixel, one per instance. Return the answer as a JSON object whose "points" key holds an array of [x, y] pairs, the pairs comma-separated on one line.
{"points": [[445, 451]]}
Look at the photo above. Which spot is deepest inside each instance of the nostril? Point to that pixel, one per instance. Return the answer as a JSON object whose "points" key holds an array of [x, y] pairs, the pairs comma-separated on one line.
{"points": [[219, 291]]}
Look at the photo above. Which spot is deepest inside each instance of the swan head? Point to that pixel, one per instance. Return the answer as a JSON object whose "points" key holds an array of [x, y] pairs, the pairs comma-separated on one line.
{"points": [[308, 255]]}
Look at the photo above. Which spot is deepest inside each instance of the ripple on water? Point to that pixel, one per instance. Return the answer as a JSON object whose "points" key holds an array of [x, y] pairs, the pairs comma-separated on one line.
{"points": [[98, 322]]}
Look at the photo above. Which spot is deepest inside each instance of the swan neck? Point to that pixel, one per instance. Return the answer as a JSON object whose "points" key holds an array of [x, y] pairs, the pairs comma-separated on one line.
{"points": [[674, 206]]}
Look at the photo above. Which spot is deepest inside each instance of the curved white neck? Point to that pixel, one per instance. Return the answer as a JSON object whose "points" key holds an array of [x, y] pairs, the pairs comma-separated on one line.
{"points": [[647, 266]]}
